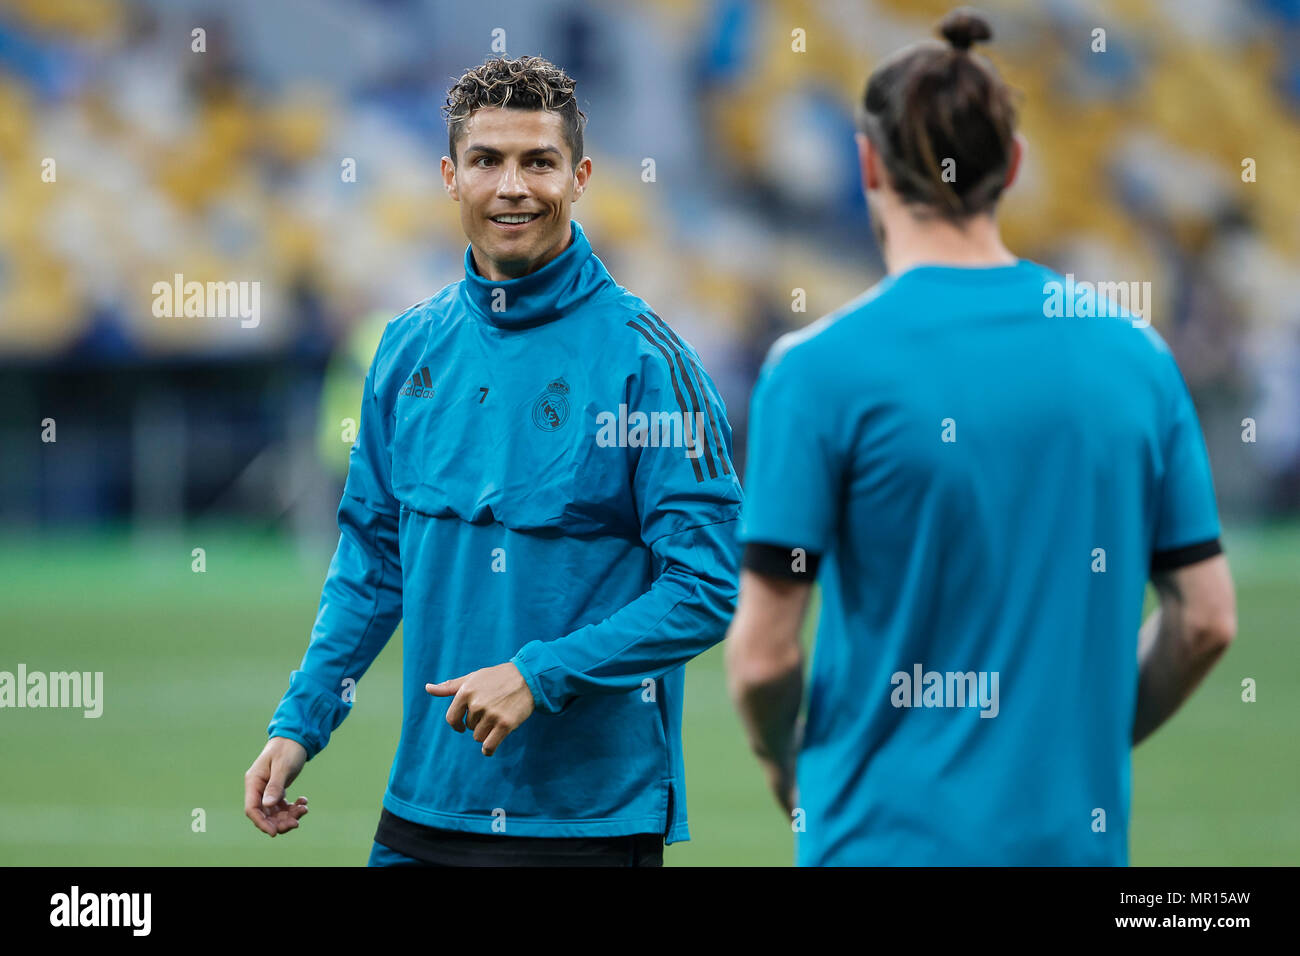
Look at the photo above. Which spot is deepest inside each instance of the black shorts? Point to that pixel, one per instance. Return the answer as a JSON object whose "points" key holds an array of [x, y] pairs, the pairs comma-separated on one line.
{"points": [[431, 846]]}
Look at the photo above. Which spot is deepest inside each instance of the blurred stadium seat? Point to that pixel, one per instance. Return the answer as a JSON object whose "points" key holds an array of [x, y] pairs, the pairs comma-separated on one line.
{"points": [[226, 165]]}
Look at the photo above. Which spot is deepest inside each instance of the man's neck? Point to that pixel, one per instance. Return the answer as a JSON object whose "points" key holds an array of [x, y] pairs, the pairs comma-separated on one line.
{"points": [[503, 272], [913, 242]]}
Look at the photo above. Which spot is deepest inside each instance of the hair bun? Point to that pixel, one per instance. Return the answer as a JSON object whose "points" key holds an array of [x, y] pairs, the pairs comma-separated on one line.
{"points": [[964, 27]]}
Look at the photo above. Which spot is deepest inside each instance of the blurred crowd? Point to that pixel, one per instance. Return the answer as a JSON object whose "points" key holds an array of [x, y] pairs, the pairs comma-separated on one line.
{"points": [[232, 164]]}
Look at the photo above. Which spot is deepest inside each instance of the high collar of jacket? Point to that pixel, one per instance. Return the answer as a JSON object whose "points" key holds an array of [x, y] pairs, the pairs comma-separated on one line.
{"points": [[542, 296]]}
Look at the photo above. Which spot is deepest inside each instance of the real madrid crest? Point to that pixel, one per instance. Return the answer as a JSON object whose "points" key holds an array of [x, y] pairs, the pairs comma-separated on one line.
{"points": [[551, 409]]}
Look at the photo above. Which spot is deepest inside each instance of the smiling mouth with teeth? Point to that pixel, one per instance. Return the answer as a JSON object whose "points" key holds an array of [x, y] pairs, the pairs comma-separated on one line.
{"points": [[509, 219]]}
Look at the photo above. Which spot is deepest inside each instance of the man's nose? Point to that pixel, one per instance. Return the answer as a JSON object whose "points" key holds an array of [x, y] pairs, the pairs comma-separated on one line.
{"points": [[511, 182]]}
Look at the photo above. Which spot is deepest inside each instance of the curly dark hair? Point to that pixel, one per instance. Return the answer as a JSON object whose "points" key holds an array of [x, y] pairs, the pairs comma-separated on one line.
{"points": [[521, 83]]}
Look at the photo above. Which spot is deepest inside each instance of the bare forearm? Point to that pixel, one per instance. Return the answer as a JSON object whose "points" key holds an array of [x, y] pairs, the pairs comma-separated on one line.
{"points": [[1169, 669], [770, 713], [765, 673]]}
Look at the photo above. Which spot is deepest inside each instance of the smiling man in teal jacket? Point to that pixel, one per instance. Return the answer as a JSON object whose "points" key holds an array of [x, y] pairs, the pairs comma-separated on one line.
{"points": [[542, 489]]}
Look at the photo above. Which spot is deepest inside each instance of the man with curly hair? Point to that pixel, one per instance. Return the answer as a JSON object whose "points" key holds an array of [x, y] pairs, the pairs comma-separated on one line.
{"points": [[542, 490]]}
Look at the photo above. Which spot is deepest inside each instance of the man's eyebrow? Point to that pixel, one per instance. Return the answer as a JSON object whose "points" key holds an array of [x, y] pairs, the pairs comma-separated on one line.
{"points": [[493, 151]]}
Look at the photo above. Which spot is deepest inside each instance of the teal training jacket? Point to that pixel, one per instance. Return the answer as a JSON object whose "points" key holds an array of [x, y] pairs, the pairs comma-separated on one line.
{"points": [[542, 475]]}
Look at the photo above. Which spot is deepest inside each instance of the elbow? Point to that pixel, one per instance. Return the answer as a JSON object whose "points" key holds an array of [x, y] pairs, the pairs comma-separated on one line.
{"points": [[763, 648], [1214, 629], [1222, 631], [752, 669], [1202, 607], [746, 678], [715, 601]]}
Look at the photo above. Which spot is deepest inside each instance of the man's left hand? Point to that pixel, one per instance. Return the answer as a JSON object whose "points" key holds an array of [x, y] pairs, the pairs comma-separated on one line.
{"points": [[491, 702]]}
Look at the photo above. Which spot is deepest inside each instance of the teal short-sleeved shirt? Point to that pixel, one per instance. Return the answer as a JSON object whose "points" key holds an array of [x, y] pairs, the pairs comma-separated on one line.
{"points": [[982, 487]]}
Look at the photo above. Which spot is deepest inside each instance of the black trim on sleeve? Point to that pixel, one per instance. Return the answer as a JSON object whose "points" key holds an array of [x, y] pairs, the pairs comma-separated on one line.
{"points": [[1176, 558], [776, 561]]}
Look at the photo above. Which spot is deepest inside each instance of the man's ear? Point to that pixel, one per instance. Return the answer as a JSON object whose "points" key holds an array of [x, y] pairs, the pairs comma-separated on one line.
{"points": [[581, 174], [1019, 146], [869, 163], [449, 178]]}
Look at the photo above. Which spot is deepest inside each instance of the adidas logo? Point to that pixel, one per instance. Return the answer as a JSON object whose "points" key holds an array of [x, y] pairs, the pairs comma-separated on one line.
{"points": [[419, 385]]}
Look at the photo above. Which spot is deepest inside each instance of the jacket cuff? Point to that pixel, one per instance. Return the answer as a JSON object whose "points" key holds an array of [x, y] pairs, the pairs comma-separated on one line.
{"points": [[308, 713], [274, 731], [532, 660]]}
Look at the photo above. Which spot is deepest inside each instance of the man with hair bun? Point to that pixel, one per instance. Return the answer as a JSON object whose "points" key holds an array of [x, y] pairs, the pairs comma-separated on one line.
{"points": [[982, 490], [554, 573]]}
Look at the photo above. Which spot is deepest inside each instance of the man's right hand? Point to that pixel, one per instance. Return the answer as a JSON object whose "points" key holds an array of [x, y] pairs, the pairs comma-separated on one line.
{"points": [[280, 761]]}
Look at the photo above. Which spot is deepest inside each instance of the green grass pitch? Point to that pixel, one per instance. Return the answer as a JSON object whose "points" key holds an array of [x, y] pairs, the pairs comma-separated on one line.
{"points": [[195, 663]]}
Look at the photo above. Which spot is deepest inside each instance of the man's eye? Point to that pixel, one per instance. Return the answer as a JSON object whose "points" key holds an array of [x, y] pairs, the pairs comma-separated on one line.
{"points": [[543, 162], [483, 159]]}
